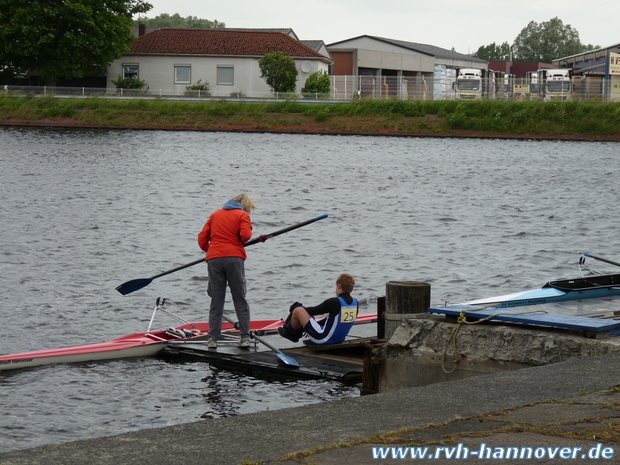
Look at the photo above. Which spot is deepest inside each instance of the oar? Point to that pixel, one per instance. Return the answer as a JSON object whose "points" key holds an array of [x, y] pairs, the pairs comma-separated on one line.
{"points": [[288, 361], [136, 284], [602, 259]]}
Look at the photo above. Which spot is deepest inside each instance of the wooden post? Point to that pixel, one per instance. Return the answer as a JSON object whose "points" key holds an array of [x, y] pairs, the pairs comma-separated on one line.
{"points": [[404, 297], [381, 317], [371, 372]]}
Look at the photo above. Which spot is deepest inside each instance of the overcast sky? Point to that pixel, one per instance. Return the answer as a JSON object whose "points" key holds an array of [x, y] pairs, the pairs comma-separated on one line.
{"points": [[464, 25]]}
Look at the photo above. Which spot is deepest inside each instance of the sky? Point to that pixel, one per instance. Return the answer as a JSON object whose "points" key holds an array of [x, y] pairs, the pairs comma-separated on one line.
{"points": [[463, 25]]}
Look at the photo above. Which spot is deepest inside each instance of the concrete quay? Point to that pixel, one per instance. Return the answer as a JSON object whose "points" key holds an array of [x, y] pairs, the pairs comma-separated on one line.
{"points": [[571, 404]]}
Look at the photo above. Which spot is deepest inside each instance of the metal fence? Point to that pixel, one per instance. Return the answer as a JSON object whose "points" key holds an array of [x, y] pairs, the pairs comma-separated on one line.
{"points": [[347, 88], [343, 88]]}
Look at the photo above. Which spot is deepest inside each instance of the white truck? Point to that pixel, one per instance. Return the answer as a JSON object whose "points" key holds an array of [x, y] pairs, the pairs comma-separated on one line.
{"points": [[474, 84], [558, 83]]}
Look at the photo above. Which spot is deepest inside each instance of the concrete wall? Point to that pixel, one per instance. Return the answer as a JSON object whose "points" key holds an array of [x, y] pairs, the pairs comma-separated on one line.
{"points": [[414, 355]]}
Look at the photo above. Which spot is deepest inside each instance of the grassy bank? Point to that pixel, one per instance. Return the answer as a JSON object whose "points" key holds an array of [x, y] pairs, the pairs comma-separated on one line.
{"points": [[394, 117]]}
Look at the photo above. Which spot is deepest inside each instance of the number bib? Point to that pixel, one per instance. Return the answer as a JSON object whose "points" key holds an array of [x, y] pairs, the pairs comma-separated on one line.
{"points": [[348, 314]]}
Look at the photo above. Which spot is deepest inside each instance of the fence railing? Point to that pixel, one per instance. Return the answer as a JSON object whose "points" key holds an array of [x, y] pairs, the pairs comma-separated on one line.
{"points": [[346, 88]]}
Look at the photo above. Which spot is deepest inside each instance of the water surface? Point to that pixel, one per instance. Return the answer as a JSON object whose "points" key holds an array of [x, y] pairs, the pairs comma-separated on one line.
{"points": [[83, 211]]}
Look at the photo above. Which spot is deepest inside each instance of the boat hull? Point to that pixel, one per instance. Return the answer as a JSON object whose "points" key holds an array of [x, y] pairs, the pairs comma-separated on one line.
{"points": [[145, 344], [558, 291], [94, 353]]}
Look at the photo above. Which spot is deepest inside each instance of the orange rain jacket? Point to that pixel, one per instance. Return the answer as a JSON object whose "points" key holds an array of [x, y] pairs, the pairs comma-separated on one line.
{"points": [[226, 231]]}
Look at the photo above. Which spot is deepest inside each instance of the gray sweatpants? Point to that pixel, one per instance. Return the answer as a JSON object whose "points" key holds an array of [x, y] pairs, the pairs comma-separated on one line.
{"points": [[229, 270]]}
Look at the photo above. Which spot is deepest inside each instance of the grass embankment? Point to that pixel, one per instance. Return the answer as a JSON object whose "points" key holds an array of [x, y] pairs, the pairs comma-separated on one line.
{"points": [[562, 120]]}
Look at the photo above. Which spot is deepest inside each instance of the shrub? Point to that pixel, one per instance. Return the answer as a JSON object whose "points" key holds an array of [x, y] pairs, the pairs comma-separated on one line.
{"points": [[130, 83], [131, 86], [200, 89], [317, 83]]}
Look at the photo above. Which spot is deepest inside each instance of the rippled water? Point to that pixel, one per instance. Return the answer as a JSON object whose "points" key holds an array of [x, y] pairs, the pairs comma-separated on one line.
{"points": [[83, 211]]}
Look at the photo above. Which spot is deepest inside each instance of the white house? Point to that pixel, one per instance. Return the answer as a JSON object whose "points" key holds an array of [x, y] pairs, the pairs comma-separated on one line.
{"points": [[171, 59]]}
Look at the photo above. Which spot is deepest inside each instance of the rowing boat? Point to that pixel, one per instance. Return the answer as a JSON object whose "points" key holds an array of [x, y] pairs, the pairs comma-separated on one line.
{"points": [[558, 291], [145, 344]]}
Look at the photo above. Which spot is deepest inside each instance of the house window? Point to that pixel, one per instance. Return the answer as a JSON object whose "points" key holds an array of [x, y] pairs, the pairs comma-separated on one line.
{"points": [[182, 74], [225, 75], [130, 71]]}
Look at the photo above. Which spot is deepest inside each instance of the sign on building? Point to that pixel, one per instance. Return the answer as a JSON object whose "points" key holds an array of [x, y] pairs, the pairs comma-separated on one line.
{"points": [[614, 77], [614, 64]]}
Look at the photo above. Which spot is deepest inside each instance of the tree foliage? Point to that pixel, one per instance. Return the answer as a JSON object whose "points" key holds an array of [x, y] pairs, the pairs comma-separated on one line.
{"points": [[494, 52], [542, 43], [279, 71], [178, 22], [546, 41], [318, 83], [64, 38]]}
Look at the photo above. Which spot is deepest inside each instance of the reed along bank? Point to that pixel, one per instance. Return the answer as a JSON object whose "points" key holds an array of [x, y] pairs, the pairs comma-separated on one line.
{"points": [[449, 118]]}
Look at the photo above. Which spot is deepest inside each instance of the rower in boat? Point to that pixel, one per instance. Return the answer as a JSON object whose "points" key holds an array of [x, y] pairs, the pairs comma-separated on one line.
{"points": [[341, 314]]}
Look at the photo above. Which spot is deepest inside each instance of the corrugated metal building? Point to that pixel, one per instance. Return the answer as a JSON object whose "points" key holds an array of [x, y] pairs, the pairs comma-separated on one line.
{"points": [[381, 67], [599, 71]]}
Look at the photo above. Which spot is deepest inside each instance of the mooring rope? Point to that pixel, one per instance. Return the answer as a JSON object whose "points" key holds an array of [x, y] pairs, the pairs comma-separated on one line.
{"points": [[462, 319]]}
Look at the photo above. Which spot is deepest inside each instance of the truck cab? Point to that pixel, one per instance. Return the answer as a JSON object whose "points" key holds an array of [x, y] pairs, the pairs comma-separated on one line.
{"points": [[475, 84], [558, 84], [468, 84]]}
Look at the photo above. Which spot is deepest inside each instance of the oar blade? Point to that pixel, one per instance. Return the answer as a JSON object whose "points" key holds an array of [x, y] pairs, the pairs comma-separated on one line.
{"points": [[288, 361], [133, 285]]}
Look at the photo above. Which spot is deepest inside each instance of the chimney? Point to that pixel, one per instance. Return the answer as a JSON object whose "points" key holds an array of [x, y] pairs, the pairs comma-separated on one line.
{"points": [[141, 29]]}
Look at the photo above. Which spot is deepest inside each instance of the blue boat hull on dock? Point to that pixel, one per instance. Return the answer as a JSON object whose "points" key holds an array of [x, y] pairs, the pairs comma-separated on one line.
{"points": [[591, 327], [558, 291]]}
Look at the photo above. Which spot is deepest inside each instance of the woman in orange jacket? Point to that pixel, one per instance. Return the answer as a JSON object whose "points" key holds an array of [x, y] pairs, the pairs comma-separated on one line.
{"points": [[223, 238]]}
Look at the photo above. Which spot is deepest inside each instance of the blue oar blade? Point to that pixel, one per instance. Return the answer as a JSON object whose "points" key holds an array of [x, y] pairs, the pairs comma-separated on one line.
{"points": [[133, 285], [289, 361]]}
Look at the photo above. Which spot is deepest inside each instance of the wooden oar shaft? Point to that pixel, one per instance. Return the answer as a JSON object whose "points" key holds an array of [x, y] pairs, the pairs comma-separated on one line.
{"points": [[282, 231], [187, 265], [601, 259], [289, 361], [261, 340], [135, 284]]}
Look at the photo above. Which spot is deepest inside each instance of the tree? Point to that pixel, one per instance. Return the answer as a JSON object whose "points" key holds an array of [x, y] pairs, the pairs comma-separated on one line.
{"points": [[279, 71], [178, 22], [494, 52], [317, 83], [546, 42], [67, 38]]}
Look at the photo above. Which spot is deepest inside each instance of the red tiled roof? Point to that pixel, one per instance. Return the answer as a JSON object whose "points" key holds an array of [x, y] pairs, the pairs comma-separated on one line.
{"points": [[219, 42]]}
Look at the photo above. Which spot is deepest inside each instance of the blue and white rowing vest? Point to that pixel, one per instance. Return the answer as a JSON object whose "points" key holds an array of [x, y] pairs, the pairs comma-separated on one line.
{"points": [[336, 327]]}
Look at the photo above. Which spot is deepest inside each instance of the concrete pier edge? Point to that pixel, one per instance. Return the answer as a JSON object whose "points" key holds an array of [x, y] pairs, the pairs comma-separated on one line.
{"points": [[268, 437]]}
